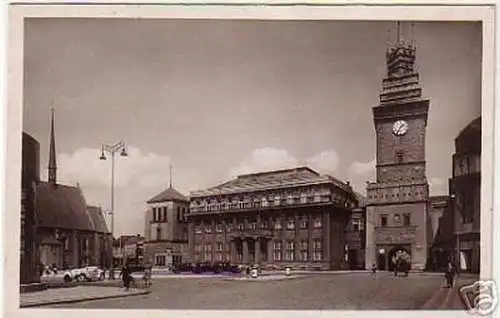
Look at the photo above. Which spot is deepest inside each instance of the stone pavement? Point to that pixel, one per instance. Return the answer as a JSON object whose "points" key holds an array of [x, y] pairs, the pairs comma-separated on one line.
{"points": [[449, 298], [265, 278], [75, 294]]}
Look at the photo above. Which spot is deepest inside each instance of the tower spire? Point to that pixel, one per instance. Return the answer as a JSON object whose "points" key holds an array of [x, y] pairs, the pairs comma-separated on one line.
{"points": [[52, 152], [170, 167]]}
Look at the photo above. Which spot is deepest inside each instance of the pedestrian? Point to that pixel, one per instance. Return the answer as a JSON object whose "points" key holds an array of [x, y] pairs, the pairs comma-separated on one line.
{"points": [[147, 276], [126, 277], [374, 268], [450, 274]]}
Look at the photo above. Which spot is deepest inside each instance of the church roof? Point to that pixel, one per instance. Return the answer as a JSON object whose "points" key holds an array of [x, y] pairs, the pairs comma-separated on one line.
{"points": [[98, 219], [170, 194], [301, 176], [62, 206]]}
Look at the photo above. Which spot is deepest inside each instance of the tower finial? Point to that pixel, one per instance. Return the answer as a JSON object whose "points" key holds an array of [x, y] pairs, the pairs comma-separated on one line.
{"points": [[398, 39], [52, 150], [170, 167]]}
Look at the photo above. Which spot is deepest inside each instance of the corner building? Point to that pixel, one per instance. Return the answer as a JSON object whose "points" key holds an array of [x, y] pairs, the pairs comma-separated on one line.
{"points": [[398, 202], [292, 217]]}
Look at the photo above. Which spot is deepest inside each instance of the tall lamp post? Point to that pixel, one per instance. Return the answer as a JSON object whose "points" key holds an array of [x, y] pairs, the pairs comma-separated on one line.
{"points": [[112, 150]]}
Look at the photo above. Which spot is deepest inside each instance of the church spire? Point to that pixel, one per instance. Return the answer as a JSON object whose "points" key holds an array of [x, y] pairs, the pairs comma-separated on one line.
{"points": [[402, 81], [52, 153]]}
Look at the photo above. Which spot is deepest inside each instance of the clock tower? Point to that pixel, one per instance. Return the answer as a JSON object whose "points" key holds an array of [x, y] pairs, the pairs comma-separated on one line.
{"points": [[398, 201]]}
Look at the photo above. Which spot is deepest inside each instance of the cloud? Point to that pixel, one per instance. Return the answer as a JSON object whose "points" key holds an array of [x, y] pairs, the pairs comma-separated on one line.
{"points": [[84, 166], [269, 158], [325, 162], [362, 168]]}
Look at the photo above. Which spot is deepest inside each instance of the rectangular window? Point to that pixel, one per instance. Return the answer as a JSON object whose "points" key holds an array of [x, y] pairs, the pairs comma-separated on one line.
{"points": [[218, 257], [229, 227], [383, 220], [218, 228], [317, 256], [160, 260], [264, 224], [277, 255], [165, 214], [303, 245], [241, 226], [198, 248], [276, 200], [290, 223], [197, 229], [317, 222], [219, 246], [208, 229], [290, 245], [317, 244], [304, 223], [252, 225], [289, 256], [289, 199], [356, 225], [277, 224], [158, 233], [303, 198], [406, 220], [304, 256]]}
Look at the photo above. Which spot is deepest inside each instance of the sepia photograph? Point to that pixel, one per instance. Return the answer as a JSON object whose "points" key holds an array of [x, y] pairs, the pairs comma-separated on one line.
{"points": [[252, 164]]}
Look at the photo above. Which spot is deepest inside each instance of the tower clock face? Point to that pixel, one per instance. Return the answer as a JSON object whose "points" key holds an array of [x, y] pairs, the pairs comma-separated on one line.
{"points": [[400, 128]]}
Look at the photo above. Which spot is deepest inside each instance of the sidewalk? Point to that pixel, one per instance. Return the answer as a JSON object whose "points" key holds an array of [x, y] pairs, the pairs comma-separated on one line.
{"points": [[449, 298], [75, 294]]}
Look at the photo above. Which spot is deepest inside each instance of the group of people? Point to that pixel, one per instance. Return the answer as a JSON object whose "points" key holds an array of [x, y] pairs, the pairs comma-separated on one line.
{"points": [[128, 279]]}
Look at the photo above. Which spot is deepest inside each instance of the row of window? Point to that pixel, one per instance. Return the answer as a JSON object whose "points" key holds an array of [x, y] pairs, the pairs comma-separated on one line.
{"points": [[406, 221], [396, 195], [160, 214], [277, 246], [263, 224], [277, 256], [264, 203], [160, 237], [465, 165]]}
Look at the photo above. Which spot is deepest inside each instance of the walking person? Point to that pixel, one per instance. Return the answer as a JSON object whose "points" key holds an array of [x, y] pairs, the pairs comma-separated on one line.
{"points": [[374, 269], [450, 275], [147, 276], [126, 277]]}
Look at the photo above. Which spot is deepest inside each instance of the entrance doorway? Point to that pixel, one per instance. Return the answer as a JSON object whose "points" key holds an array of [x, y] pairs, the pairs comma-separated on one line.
{"points": [[398, 252], [381, 262]]}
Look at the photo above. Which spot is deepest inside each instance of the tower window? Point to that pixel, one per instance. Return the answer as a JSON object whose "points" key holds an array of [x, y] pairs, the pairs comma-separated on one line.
{"points": [[383, 220], [407, 220]]}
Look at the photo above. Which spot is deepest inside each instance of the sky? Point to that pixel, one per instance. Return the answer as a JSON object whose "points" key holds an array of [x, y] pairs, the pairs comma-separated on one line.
{"points": [[217, 98]]}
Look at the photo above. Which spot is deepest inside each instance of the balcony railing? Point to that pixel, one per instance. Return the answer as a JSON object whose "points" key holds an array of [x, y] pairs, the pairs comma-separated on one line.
{"points": [[268, 205]]}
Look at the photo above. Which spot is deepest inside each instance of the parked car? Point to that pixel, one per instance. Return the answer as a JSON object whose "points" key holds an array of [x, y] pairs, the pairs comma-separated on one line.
{"points": [[87, 273]]}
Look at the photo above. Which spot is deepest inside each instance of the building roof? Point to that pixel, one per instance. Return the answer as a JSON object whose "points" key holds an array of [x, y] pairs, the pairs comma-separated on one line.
{"points": [[301, 176], [63, 207], [170, 194], [98, 219], [469, 138], [439, 201]]}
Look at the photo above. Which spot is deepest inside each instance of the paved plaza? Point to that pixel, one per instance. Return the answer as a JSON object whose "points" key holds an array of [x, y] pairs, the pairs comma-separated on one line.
{"points": [[309, 292]]}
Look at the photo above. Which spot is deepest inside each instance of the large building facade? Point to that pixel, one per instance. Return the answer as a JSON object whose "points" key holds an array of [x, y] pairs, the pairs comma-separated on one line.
{"points": [[166, 229], [398, 201], [292, 217], [465, 188]]}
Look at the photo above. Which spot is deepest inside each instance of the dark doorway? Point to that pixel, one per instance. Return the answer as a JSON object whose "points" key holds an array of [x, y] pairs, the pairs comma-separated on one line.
{"points": [[263, 249], [396, 253], [251, 251], [381, 262], [353, 259]]}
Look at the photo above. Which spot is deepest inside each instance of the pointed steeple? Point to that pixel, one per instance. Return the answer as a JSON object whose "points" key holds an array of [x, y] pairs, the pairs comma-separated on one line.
{"points": [[402, 82], [52, 154]]}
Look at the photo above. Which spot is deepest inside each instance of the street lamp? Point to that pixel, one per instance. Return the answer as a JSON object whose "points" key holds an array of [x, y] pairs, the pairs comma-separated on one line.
{"points": [[112, 150]]}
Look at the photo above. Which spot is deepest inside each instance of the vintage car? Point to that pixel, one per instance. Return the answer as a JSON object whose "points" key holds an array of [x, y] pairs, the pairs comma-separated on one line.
{"points": [[87, 273]]}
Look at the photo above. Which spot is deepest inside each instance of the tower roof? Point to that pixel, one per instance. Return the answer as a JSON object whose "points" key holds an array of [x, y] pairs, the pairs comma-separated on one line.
{"points": [[170, 194], [402, 81]]}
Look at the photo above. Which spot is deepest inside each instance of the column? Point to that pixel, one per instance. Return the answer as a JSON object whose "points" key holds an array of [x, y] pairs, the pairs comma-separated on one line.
{"points": [[257, 251], [326, 238], [269, 244], [213, 241], [310, 225], [191, 240], [245, 251], [232, 251], [298, 237]]}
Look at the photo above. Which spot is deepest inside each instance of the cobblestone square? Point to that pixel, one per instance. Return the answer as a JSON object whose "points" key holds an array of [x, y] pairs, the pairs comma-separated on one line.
{"points": [[314, 292]]}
